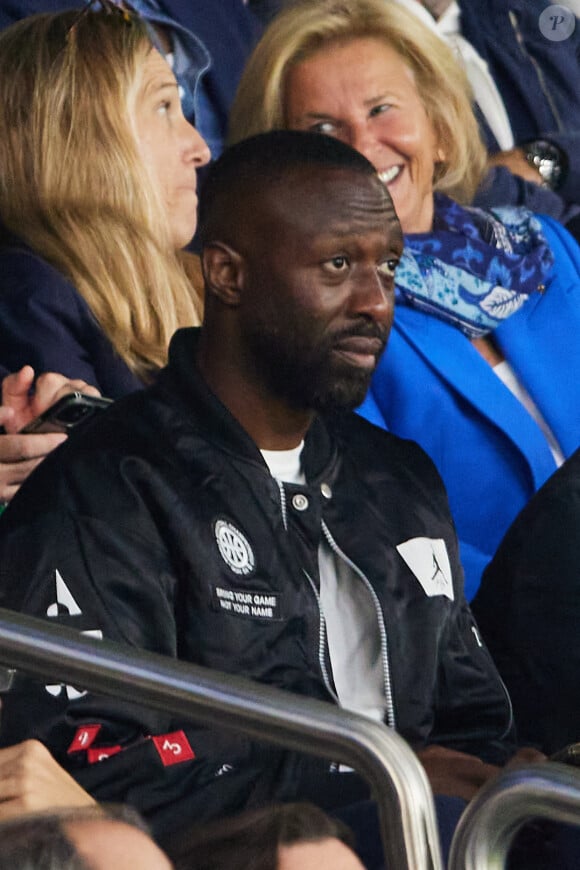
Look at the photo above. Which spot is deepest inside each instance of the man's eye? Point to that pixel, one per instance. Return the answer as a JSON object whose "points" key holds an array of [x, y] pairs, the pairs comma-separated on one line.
{"points": [[337, 264], [388, 268]]}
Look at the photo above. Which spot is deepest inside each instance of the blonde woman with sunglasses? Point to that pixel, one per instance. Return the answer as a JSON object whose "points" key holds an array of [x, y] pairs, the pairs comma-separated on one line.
{"points": [[97, 199]]}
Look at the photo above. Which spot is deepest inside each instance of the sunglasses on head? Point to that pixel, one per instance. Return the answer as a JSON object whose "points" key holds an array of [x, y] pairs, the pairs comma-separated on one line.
{"points": [[110, 7]]}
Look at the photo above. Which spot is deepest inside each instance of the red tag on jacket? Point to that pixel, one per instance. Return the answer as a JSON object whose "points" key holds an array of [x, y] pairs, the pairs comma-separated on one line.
{"points": [[85, 736], [100, 753], [173, 748]]}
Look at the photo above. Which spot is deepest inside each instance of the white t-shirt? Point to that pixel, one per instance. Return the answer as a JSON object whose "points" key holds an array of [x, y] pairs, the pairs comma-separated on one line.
{"points": [[507, 376], [354, 641]]}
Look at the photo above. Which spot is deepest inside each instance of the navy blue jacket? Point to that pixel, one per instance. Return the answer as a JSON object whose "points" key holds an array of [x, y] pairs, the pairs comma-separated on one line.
{"points": [[229, 31], [46, 323], [538, 78], [502, 187]]}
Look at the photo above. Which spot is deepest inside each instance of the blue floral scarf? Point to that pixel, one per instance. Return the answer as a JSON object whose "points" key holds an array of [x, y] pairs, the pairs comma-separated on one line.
{"points": [[475, 268]]}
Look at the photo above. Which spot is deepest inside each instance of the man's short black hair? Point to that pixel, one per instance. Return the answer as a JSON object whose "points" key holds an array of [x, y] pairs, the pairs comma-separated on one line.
{"points": [[266, 159]]}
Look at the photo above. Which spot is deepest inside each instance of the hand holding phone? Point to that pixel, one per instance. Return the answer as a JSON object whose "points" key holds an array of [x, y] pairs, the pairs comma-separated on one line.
{"points": [[67, 413], [25, 396]]}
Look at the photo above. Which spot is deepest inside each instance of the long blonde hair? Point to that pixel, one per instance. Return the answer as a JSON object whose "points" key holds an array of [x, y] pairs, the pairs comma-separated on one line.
{"points": [[72, 183], [306, 27]]}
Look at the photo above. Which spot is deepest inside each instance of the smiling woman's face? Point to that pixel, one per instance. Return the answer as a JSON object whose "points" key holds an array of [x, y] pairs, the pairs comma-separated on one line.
{"points": [[171, 148], [363, 93]]}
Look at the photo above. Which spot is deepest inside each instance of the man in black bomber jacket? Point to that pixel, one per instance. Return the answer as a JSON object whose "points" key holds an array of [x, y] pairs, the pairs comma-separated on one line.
{"points": [[234, 516]]}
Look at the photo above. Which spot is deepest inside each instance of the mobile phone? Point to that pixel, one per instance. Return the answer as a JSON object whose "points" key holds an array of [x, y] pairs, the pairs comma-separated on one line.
{"points": [[568, 755], [67, 413]]}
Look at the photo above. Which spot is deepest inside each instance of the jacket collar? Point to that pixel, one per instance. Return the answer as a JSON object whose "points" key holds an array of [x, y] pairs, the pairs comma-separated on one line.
{"points": [[200, 406]]}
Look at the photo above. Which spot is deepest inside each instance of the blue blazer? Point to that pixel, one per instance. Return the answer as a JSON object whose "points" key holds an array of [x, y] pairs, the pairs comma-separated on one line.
{"points": [[434, 387]]}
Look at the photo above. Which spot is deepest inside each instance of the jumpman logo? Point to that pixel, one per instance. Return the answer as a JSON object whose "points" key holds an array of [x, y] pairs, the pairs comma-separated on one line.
{"points": [[437, 569], [428, 559]]}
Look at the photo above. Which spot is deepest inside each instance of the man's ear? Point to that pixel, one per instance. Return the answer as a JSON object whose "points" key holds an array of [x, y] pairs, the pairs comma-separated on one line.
{"points": [[223, 271]]}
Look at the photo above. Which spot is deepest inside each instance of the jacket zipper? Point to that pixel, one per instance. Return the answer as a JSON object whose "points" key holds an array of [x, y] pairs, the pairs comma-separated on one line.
{"points": [[322, 640], [321, 622], [540, 75], [283, 508], [390, 706]]}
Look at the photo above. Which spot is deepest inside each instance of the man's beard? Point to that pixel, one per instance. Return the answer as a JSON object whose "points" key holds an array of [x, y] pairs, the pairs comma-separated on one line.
{"points": [[313, 378]]}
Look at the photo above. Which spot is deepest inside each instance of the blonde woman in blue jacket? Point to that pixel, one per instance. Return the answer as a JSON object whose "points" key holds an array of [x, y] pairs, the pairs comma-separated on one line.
{"points": [[483, 361]]}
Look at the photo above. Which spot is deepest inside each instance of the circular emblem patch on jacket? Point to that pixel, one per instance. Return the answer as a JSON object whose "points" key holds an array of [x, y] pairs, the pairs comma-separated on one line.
{"points": [[234, 548]]}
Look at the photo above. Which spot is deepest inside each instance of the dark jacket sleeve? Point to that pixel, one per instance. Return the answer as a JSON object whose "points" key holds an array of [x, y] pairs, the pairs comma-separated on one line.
{"points": [[472, 710], [537, 77], [446, 688], [87, 570], [569, 142], [502, 187], [45, 323], [229, 30]]}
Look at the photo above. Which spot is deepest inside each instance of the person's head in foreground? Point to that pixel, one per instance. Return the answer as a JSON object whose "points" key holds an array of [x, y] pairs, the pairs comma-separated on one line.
{"points": [[299, 279], [296, 836], [91, 838], [98, 169], [369, 73]]}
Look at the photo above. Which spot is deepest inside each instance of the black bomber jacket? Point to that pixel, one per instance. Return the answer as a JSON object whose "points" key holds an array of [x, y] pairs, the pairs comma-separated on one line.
{"points": [[160, 526]]}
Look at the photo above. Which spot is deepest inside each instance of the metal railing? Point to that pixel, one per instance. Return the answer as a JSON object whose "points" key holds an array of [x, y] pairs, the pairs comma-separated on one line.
{"points": [[488, 826], [397, 780]]}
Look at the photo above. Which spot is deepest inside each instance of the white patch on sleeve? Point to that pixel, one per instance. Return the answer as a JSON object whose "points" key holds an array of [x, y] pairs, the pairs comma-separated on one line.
{"points": [[64, 597], [66, 604], [428, 560]]}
